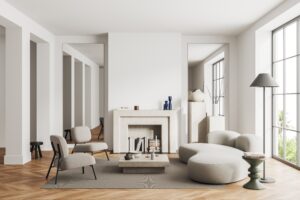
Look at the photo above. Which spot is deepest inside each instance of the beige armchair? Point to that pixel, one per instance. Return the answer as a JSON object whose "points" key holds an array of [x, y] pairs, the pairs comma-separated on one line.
{"points": [[82, 136], [62, 160]]}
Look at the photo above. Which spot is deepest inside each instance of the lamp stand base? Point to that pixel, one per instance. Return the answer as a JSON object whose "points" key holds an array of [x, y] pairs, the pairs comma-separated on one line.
{"points": [[267, 180]]}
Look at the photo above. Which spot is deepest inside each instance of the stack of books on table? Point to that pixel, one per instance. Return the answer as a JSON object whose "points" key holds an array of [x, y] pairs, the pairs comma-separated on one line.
{"points": [[154, 145]]}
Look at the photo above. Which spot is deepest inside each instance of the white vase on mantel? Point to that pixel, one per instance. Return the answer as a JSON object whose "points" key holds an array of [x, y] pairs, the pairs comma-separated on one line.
{"points": [[196, 96]]}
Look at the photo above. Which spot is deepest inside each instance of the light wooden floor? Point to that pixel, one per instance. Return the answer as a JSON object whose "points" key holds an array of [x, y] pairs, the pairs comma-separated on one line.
{"points": [[24, 182]]}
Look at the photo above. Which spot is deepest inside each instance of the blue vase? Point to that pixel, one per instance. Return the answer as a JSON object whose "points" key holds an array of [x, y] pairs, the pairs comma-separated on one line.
{"points": [[170, 103], [166, 105]]}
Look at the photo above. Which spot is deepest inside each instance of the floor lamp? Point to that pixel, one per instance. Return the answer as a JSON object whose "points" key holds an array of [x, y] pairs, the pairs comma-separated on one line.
{"points": [[264, 80]]}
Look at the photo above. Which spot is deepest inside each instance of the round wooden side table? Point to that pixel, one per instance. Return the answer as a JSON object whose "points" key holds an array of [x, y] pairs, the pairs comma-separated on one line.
{"points": [[254, 176]]}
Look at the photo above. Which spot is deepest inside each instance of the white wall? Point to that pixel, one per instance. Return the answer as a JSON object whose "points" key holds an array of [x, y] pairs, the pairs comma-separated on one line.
{"points": [[196, 76], [144, 69], [2, 87]]}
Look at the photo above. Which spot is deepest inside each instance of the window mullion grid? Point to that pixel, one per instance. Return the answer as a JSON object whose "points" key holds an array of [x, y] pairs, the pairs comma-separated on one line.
{"points": [[298, 89], [273, 102], [219, 88], [213, 93], [284, 100]]}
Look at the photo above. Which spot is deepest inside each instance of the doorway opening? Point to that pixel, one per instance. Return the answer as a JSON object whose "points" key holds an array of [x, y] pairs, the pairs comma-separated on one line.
{"points": [[206, 87], [83, 87]]}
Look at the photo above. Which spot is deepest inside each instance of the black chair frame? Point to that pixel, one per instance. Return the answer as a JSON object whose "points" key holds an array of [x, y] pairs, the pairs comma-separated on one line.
{"points": [[57, 155]]}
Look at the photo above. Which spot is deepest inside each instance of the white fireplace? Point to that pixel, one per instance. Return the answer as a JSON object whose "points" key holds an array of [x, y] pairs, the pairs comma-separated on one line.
{"points": [[144, 123], [145, 133]]}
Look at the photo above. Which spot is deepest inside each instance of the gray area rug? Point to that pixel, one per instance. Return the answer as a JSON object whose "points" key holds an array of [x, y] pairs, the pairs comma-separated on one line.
{"points": [[110, 176]]}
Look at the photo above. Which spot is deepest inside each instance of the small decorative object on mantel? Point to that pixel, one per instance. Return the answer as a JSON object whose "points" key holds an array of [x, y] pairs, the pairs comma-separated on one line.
{"points": [[124, 108], [170, 102], [136, 107]]}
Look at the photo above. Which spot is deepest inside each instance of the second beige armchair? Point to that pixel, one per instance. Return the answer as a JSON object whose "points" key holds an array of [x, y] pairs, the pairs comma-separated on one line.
{"points": [[82, 136]]}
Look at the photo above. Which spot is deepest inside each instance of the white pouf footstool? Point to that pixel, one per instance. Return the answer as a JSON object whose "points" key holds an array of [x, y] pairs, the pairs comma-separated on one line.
{"points": [[217, 168]]}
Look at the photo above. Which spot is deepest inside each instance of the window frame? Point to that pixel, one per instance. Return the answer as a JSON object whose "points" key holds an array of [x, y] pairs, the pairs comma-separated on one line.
{"points": [[218, 80], [284, 95]]}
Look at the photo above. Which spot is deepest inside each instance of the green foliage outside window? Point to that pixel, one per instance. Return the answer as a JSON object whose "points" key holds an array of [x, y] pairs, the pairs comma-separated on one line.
{"points": [[291, 144]]}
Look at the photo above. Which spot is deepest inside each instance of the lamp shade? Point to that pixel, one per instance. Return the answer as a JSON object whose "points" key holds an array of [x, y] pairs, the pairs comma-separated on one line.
{"points": [[264, 80]]}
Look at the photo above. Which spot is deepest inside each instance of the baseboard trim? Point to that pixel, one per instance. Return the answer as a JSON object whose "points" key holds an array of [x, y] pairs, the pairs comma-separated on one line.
{"points": [[16, 159]]}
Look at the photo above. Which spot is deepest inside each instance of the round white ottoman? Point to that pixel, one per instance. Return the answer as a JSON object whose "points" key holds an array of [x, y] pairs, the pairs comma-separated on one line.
{"points": [[217, 168]]}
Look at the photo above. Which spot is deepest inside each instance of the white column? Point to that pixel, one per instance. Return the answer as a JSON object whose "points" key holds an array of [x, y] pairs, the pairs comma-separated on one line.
{"points": [[83, 94], [17, 96], [2, 90], [72, 91], [43, 95], [56, 88], [67, 92], [88, 93], [79, 94]]}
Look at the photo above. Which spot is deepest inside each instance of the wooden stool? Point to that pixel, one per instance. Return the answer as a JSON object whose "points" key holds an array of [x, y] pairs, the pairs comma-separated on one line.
{"points": [[36, 146], [254, 160], [68, 132]]}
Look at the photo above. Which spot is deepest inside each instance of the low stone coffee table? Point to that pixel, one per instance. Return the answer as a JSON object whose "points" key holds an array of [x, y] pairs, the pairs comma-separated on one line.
{"points": [[144, 164]]}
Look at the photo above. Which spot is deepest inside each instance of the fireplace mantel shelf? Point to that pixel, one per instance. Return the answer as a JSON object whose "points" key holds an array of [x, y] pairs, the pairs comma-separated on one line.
{"points": [[158, 113], [166, 118]]}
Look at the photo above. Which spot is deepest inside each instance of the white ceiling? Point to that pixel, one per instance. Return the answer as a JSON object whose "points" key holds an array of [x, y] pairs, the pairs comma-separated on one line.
{"points": [[89, 17], [198, 52], [95, 52]]}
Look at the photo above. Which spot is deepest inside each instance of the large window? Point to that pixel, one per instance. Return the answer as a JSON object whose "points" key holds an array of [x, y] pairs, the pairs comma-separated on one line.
{"points": [[286, 97], [218, 88]]}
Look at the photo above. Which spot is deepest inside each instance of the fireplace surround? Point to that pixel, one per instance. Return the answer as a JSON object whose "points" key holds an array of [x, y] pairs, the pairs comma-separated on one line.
{"points": [[125, 120]]}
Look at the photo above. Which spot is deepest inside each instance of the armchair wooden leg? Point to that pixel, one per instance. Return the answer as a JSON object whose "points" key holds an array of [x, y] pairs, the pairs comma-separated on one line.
{"points": [[50, 166], [101, 129], [106, 154], [74, 147], [94, 172], [83, 170], [58, 166]]}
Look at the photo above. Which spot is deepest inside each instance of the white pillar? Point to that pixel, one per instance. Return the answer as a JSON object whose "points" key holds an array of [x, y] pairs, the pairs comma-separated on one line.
{"points": [[88, 99], [67, 91], [83, 94], [2, 89], [56, 88], [72, 91], [43, 94], [17, 96], [79, 94]]}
